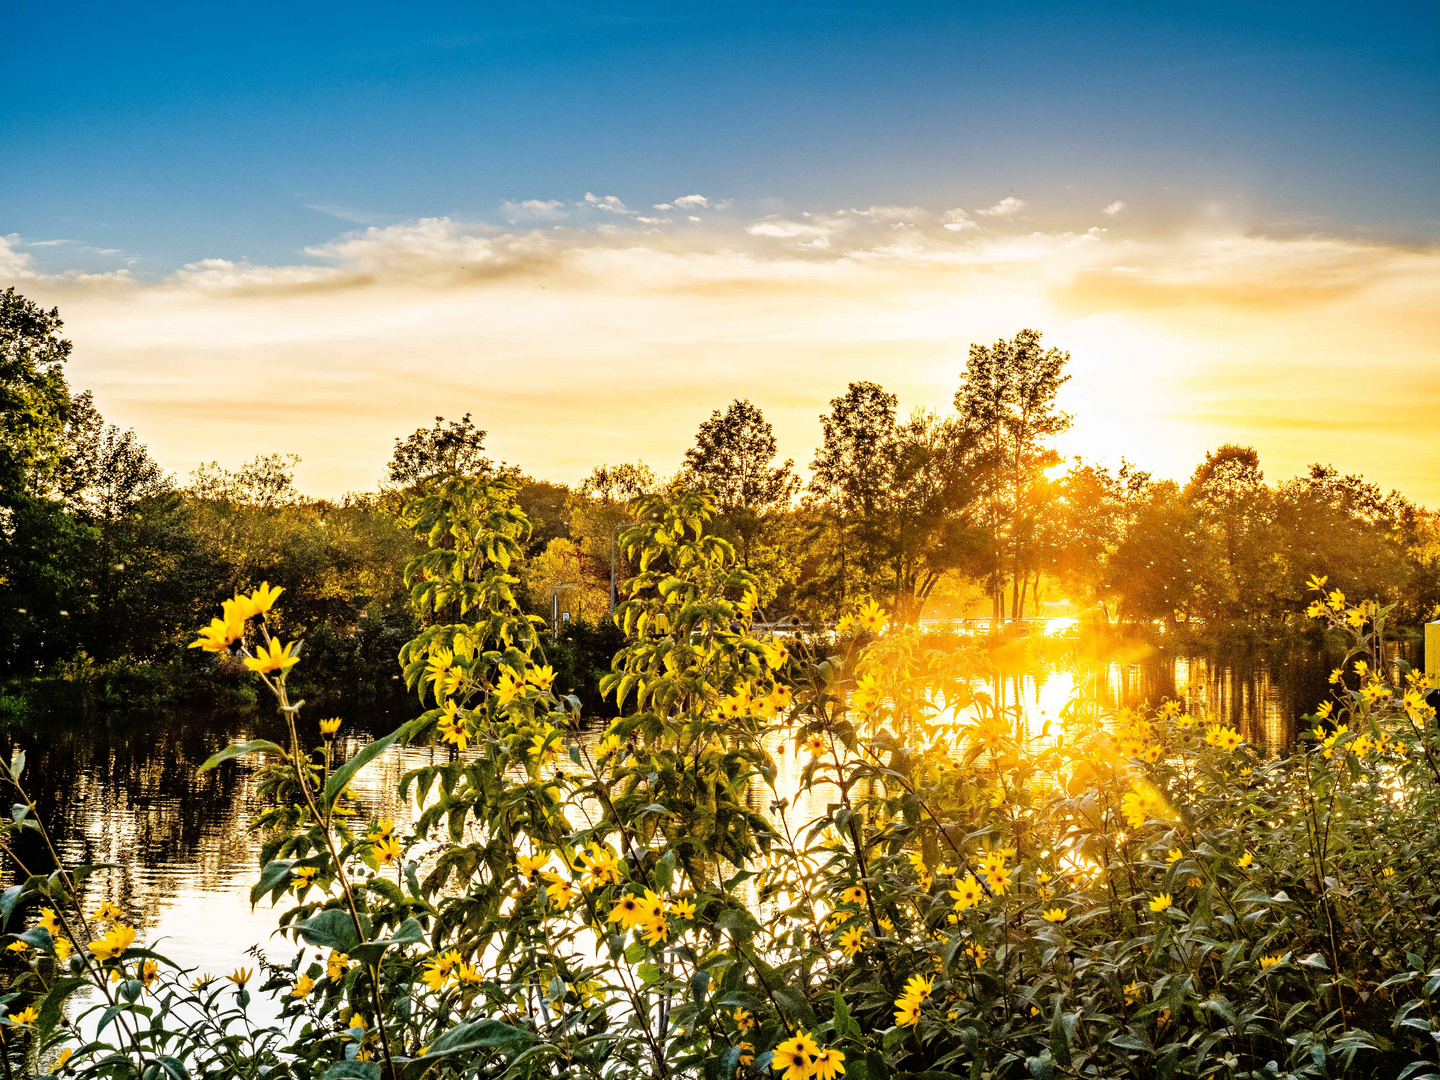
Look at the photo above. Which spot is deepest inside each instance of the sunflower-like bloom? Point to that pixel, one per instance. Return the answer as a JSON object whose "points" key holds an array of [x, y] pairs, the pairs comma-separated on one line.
{"points": [[775, 655], [813, 744], [854, 894], [683, 909], [263, 598], [872, 617], [113, 945], [1267, 962], [386, 851], [541, 677], [852, 941], [218, 636], [967, 893], [1054, 914], [560, 892], [1161, 902], [274, 657], [793, 1057], [654, 929], [627, 911], [335, 965], [303, 985], [599, 866], [828, 1064], [452, 728], [149, 972], [240, 976], [329, 727], [49, 922], [1141, 803], [27, 1015]]}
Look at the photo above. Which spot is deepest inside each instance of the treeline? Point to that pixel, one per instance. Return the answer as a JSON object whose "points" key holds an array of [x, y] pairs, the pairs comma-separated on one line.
{"points": [[108, 563]]}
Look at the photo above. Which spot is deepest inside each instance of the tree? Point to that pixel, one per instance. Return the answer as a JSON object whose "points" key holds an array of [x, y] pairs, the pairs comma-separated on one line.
{"points": [[265, 482], [609, 484], [894, 502], [1006, 404], [1242, 566], [34, 398], [733, 458], [449, 448]]}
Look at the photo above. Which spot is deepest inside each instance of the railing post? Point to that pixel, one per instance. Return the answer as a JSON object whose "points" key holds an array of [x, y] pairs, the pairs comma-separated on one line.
{"points": [[1432, 649]]}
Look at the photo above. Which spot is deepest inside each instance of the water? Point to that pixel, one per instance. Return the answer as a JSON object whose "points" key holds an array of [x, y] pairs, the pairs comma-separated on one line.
{"points": [[132, 794]]}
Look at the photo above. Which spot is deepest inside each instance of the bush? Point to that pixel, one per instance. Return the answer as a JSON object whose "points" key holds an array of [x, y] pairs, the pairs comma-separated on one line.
{"points": [[1132, 895]]}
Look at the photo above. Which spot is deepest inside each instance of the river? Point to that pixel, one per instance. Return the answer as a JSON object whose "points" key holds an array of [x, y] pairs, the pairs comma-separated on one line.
{"points": [[132, 795]]}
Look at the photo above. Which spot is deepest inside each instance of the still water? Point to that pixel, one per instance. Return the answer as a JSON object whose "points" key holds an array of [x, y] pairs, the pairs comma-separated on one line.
{"points": [[185, 858]]}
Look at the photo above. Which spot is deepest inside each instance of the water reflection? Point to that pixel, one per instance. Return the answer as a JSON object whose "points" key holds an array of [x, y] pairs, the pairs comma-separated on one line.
{"points": [[185, 858]]}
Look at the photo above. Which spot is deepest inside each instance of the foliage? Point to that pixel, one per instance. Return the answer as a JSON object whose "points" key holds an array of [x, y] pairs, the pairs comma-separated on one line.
{"points": [[947, 894]]}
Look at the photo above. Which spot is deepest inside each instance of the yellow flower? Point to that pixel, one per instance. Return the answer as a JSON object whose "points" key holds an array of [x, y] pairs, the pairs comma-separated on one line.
{"points": [[855, 894], [240, 976], [303, 985], [1132, 993], [976, 952], [852, 940], [828, 1064], [872, 617], [18, 947], [654, 929], [845, 624], [1315, 610], [907, 1012], [62, 948], [274, 657], [1324, 709], [1054, 915], [218, 636], [532, 867], [330, 727], [263, 598], [560, 893], [48, 921], [202, 981], [1336, 600], [775, 655], [452, 728], [1355, 617], [1389, 871], [27, 1015], [918, 988], [64, 1059], [1267, 962], [743, 1020], [1141, 803], [335, 965], [304, 877], [780, 698], [683, 909], [545, 749], [149, 972], [627, 911], [1245, 860], [1161, 902], [1174, 855], [113, 945], [601, 867], [542, 678], [508, 687], [967, 893], [386, 851], [747, 1053], [792, 1057]]}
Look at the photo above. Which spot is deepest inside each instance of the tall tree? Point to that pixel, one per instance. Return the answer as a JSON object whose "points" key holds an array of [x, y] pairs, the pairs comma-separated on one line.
{"points": [[449, 448], [1007, 406], [734, 458], [34, 398]]}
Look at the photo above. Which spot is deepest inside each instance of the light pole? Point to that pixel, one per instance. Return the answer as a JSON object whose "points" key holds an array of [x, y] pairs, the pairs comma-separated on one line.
{"points": [[555, 607]]}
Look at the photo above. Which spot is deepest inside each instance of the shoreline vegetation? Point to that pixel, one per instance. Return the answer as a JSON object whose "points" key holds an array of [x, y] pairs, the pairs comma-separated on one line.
{"points": [[1144, 894], [107, 560]]}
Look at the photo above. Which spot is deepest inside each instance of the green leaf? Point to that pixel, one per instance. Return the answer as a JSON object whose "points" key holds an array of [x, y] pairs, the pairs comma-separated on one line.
{"points": [[371, 951], [274, 873], [330, 929], [254, 746], [17, 764], [174, 1069], [53, 1005], [478, 1035], [353, 1070], [341, 776]]}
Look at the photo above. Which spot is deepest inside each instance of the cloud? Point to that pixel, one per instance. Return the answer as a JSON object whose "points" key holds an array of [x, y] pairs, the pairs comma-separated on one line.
{"points": [[610, 204], [1113, 209], [590, 340], [692, 202], [534, 210], [1007, 207], [48, 243], [344, 213], [958, 221]]}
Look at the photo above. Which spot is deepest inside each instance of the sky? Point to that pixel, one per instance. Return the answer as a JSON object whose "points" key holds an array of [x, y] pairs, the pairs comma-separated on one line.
{"points": [[311, 230]]}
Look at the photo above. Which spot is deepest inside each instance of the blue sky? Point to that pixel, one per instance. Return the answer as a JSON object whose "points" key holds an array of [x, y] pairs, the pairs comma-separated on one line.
{"points": [[168, 133]]}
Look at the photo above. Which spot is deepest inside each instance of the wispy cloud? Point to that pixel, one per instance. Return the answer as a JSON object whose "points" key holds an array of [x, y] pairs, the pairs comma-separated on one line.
{"points": [[534, 210], [1007, 207], [344, 213], [1113, 209], [622, 333]]}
